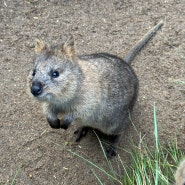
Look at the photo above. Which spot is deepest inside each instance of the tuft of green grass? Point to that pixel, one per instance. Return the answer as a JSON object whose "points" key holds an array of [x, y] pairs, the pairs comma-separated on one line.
{"points": [[153, 167], [146, 167]]}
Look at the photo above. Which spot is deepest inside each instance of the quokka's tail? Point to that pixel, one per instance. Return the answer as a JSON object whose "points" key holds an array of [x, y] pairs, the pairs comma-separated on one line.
{"points": [[137, 47]]}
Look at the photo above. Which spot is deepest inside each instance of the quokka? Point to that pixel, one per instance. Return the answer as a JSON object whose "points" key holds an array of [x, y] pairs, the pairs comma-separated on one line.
{"points": [[97, 90]]}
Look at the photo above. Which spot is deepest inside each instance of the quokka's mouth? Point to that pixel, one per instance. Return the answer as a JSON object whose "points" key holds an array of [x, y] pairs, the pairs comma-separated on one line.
{"points": [[44, 97]]}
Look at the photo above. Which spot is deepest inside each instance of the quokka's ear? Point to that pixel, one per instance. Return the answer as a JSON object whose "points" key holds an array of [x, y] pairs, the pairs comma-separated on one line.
{"points": [[68, 48], [39, 46]]}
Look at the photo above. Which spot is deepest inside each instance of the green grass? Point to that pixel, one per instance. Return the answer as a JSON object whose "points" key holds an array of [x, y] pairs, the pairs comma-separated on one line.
{"points": [[146, 167], [149, 168]]}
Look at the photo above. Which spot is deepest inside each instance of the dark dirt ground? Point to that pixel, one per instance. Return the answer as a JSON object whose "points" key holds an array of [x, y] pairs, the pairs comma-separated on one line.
{"points": [[112, 26]]}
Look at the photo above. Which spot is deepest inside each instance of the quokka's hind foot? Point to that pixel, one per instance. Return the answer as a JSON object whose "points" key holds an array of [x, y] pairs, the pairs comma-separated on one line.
{"points": [[111, 152], [81, 132]]}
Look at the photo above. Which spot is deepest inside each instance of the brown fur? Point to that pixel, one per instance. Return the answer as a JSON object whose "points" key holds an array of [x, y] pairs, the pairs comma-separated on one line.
{"points": [[97, 90]]}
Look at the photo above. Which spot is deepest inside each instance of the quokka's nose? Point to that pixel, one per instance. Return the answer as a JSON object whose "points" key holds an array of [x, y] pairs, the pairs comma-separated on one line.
{"points": [[36, 88]]}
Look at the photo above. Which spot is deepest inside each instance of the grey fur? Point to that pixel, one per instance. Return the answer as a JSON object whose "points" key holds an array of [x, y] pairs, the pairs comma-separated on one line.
{"points": [[97, 90]]}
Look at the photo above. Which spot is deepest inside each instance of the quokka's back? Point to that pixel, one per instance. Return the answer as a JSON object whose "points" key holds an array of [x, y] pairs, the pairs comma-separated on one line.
{"points": [[109, 90]]}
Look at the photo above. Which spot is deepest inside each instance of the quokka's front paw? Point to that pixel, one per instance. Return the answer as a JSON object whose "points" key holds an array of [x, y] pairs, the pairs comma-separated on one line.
{"points": [[64, 123], [54, 123]]}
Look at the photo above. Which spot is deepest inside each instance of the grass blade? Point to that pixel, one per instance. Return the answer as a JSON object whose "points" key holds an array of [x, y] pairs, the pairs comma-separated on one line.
{"points": [[16, 174], [156, 147], [97, 177]]}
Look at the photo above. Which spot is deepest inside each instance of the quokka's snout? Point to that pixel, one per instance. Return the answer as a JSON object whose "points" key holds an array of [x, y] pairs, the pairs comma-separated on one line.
{"points": [[36, 88]]}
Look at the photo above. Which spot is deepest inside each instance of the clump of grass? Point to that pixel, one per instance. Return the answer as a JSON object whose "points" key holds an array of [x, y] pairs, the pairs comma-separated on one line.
{"points": [[153, 167], [146, 167]]}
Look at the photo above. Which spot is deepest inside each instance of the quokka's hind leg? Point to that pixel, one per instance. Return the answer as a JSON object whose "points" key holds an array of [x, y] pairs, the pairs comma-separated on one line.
{"points": [[113, 147], [81, 132]]}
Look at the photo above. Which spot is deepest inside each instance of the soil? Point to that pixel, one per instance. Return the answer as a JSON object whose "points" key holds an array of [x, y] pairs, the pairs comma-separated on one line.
{"points": [[113, 26]]}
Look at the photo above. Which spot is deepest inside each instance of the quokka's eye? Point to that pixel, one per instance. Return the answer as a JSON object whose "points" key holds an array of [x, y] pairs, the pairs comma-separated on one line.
{"points": [[55, 74], [34, 72]]}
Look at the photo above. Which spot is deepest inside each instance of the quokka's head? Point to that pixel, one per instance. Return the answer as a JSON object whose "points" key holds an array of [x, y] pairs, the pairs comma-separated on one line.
{"points": [[55, 72]]}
